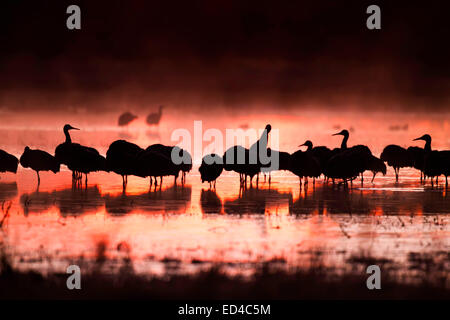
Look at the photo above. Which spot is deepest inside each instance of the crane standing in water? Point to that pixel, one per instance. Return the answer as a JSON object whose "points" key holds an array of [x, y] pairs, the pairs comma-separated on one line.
{"points": [[8, 162], [121, 158], [258, 150], [169, 152], [435, 163], [211, 168], [397, 157], [78, 158], [321, 153], [349, 163], [39, 160]]}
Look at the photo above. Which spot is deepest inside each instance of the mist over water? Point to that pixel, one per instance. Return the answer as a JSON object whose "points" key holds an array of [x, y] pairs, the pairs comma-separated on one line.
{"points": [[54, 224]]}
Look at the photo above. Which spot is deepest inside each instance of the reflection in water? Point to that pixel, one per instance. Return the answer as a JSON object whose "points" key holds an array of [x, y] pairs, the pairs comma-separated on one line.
{"points": [[69, 201], [210, 202], [326, 199], [78, 201], [255, 200], [8, 190], [37, 202], [291, 224], [171, 200]]}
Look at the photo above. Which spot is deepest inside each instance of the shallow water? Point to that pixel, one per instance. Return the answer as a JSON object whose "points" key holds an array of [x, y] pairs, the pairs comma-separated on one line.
{"points": [[186, 228]]}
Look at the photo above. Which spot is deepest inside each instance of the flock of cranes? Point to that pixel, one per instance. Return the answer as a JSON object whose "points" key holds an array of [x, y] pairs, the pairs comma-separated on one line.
{"points": [[125, 158]]}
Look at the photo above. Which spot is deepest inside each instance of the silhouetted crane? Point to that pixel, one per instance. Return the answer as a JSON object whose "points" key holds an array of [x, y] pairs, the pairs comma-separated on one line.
{"points": [[154, 118], [126, 118], [305, 165], [237, 158], [121, 158], [435, 163], [348, 163], [155, 164], [396, 157], [39, 160], [376, 165], [179, 157], [279, 160], [419, 154], [78, 158], [321, 153], [8, 162], [258, 150], [211, 168]]}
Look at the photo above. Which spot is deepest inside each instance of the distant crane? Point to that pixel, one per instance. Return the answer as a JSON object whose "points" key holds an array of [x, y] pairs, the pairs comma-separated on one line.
{"points": [[126, 118], [153, 119], [8, 162], [39, 160], [78, 158]]}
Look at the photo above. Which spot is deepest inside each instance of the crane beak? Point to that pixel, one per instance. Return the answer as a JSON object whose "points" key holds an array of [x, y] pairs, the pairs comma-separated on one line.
{"points": [[336, 134], [420, 138], [302, 145], [73, 128]]}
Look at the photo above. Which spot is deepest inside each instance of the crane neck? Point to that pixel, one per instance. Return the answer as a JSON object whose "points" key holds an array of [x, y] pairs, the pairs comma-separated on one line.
{"points": [[427, 147], [344, 142], [309, 147], [264, 138], [66, 133]]}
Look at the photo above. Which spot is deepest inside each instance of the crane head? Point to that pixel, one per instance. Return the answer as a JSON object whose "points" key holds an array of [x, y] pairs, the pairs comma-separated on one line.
{"points": [[307, 143], [268, 128], [68, 127], [425, 137], [342, 133]]}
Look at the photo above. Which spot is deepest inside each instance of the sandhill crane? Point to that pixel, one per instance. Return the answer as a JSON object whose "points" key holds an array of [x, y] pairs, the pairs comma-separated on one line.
{"points": [[126, 118], [154, 118], [78, 158], [211, 168], [321, 153], [396, 157], [39, 160], [8, 162], [348, 163], [181, 158], [121, 158]]}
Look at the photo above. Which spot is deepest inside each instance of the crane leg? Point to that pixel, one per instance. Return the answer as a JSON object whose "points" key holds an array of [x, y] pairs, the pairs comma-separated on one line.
{"points": [[85, 180], [270, 177], [39, 178]]}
